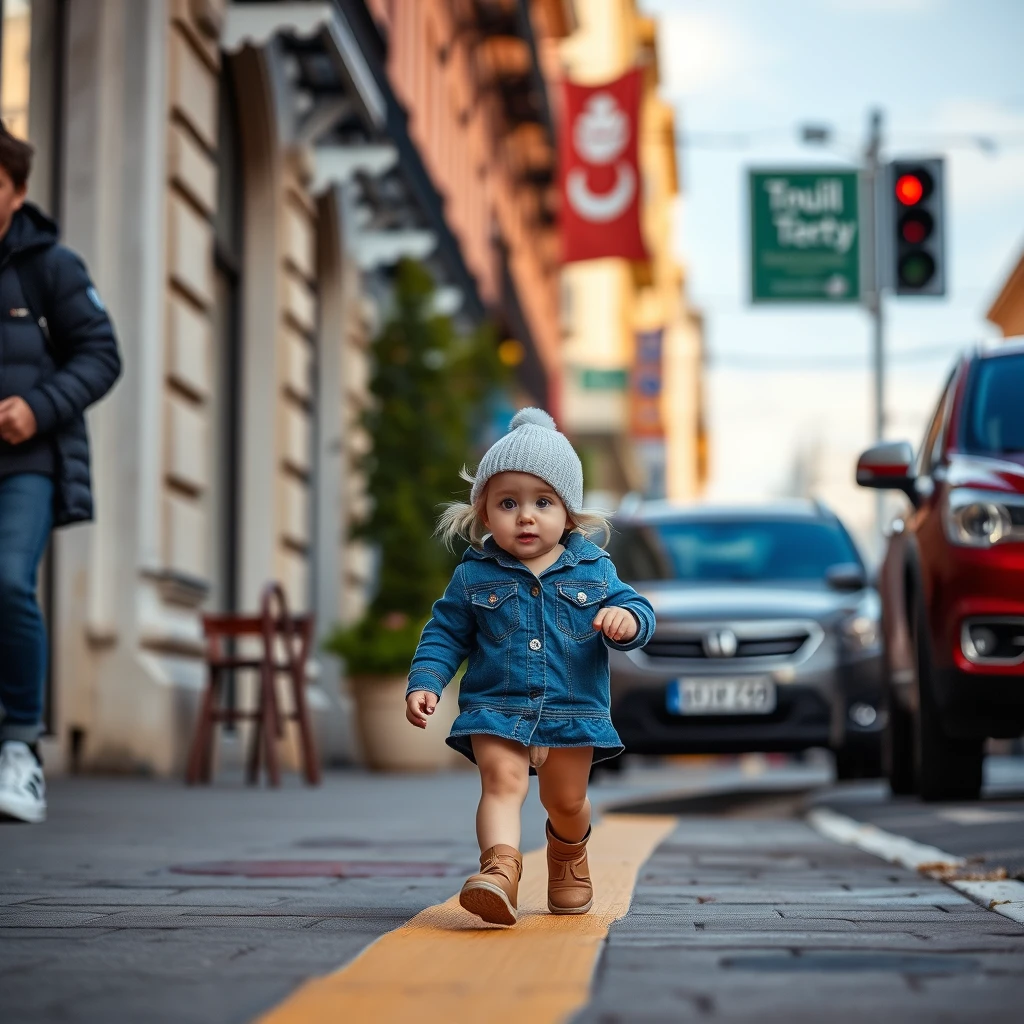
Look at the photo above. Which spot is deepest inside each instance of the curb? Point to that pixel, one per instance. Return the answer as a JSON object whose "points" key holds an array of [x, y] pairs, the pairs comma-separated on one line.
{"points": [[1004, 896]]}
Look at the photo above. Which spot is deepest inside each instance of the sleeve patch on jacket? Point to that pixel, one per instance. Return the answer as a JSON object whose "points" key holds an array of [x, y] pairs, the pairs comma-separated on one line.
{"points": [[94, 298]]}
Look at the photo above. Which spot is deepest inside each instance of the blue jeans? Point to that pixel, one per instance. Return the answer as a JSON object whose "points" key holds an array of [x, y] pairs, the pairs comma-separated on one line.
{"points": [[26, 516]]}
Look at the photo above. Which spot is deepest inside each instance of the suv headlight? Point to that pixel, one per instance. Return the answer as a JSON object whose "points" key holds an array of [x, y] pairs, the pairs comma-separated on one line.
{"points": [[862, 628], [981, 519]]}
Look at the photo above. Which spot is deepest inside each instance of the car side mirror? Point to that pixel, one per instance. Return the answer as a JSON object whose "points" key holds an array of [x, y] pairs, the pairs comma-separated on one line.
{"points": [[888, 467], [846, 576]]}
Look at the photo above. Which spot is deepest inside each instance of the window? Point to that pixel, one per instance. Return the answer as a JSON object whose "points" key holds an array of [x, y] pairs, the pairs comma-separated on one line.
{"points": [[16, 63], [731, 550], [994, 416], [931, 447], [31, 36], [228, 237]]}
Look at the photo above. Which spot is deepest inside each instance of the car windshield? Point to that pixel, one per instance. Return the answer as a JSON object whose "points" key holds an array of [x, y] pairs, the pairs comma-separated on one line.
{"points": [[994, 419], [730, 550]]}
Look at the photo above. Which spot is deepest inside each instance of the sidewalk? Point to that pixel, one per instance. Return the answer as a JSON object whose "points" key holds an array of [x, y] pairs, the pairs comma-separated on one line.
{"points": [[95, 925], [113, 910], [740, 921]]}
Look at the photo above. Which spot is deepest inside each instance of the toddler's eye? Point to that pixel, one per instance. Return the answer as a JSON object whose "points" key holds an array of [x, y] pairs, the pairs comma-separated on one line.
{"points": [[507, 504], [543, 502]]}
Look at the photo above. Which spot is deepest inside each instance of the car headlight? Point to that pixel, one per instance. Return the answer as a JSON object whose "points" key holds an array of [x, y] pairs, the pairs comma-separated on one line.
{"points": [[981, 519], [863, 627]]}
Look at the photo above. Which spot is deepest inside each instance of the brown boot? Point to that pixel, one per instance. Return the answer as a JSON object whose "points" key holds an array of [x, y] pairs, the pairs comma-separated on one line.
{"points": [[569, 888], [493, 894]]}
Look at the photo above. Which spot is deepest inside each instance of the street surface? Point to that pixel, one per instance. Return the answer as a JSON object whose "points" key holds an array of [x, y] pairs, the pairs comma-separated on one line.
{"points": [[989, 834], [145, 901]]}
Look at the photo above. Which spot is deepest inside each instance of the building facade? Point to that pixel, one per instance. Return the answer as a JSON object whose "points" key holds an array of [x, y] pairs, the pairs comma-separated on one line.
{"points": [[629, 328], [242, 179], [1007, 309]]}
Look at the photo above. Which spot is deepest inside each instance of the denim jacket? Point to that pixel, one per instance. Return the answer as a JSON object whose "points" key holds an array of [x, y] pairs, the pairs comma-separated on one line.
{"points": [[537, 669]]}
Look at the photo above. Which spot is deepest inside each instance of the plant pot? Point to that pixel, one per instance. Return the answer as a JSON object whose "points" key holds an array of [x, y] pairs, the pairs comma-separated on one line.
{"points": [[389, 742]]}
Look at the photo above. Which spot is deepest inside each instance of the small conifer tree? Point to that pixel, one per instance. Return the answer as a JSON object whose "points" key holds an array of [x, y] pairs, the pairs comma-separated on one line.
{"points": [[430, 387]]}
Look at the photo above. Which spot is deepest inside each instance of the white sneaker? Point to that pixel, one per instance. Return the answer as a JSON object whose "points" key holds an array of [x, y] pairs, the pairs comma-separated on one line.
{"points": [[22, 789]]}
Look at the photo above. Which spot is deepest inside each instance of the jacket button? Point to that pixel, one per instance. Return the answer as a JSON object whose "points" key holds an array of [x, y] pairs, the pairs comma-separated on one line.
{"points": [[535, 644], [581, 597], [493, 599], [534, 591]]}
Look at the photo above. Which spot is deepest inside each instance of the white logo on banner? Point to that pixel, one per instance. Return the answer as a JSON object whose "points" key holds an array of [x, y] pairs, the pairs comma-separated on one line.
{"points": [[600, 135]]}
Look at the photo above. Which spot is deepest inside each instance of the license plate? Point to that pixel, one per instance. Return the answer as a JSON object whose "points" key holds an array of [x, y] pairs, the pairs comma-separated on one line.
{"points": [[752, 695]]}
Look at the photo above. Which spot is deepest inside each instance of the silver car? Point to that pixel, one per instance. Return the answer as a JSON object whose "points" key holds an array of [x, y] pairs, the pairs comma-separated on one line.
{"points": [[768, 635]]}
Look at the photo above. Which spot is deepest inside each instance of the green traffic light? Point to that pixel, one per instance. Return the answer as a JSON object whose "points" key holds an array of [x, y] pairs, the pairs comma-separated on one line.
{"points": [[916, 269]]}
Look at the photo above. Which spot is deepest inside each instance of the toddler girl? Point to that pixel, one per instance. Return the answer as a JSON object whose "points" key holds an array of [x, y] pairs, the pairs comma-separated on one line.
{"points": [[532, 605]]}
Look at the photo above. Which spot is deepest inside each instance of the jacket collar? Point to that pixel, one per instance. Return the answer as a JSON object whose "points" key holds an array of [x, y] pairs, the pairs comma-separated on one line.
{"points": [[30, 229], [577, 549]]}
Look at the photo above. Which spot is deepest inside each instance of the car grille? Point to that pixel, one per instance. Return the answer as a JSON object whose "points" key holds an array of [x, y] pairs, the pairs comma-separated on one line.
{"points": [[768, 645], [1017, 515]]}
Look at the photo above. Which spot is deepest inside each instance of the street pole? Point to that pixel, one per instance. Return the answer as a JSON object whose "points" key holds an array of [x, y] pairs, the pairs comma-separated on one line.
{"points": [[873, 283]]}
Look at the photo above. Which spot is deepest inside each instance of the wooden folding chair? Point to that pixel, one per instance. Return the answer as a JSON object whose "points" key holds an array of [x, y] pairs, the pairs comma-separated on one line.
{"points": [[276, 628]]}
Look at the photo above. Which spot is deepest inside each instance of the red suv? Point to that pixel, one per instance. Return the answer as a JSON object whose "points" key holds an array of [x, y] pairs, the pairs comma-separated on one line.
{"points": [[952, 581]]}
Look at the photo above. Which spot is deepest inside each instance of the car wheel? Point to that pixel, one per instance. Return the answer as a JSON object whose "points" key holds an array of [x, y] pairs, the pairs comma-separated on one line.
{"points": [[898, 749], [947, 768], [860, 761]]}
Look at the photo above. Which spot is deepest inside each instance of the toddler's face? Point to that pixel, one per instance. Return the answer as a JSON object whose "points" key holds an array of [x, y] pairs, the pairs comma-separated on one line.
{"points": [[524, 514]]}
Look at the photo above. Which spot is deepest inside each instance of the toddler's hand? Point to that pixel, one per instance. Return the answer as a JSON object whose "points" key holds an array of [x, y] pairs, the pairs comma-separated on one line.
{"points": [[419, 706], [617, 624]]}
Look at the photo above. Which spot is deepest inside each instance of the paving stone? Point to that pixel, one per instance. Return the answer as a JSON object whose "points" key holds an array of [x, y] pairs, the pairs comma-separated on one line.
{"points": [[808, 932], [179, 918], [898, 941], [25, 916], [89, 995]]}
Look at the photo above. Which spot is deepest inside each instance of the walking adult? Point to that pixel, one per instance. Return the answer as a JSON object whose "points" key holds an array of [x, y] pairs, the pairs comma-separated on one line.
{"points": [[58, 355]]}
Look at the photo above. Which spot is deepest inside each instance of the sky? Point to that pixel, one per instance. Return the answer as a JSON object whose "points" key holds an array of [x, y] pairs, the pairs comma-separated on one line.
{"points": [[742, 76]]}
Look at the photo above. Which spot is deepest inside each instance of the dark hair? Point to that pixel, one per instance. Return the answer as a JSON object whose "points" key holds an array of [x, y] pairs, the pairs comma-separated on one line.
{"points": [[15, 157]]}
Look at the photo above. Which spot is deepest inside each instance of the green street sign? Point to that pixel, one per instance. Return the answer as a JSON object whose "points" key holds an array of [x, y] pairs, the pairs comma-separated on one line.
{"points": [[604, 380], [805, 236]]}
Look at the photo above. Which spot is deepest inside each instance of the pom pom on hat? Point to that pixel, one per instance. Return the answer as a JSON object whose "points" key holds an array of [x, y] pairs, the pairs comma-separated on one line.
{"points": [[534, 445], [534, 417]]}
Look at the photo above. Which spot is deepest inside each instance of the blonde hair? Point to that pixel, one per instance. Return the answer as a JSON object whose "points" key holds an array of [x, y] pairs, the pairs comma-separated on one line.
{"points": [[461, 520]]}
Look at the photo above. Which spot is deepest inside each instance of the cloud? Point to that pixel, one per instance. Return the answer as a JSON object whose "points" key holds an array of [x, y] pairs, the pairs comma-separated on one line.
{"points": [[699, 51]]}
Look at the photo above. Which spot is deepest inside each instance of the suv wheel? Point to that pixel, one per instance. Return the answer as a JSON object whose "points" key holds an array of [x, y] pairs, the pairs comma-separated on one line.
{"points": [[898, 749], [861, 760], [948, 769]]}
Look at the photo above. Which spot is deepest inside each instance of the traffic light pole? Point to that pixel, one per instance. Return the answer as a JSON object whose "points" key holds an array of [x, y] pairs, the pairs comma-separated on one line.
{"points": [[873, 282], [874, 270]]}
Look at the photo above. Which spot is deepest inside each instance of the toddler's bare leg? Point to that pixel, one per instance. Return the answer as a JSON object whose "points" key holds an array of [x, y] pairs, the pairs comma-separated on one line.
{"points": [[563, 790], [504, 781]]}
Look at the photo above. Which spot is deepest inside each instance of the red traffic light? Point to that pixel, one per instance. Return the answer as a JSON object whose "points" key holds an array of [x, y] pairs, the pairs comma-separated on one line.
{"points": [[914, 186], [909, 190]]}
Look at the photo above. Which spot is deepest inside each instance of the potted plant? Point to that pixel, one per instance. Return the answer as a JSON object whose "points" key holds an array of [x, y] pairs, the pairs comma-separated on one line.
{"points": [[430, 387], [377, 651]]}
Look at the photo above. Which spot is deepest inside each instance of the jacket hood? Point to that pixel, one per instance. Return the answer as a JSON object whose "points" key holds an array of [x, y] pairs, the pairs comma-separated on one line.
{"points": [[577, 549], [31, 229]]}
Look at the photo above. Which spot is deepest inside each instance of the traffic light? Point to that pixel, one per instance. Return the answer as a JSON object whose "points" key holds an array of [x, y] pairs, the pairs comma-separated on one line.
{"points": [[919, 259]]}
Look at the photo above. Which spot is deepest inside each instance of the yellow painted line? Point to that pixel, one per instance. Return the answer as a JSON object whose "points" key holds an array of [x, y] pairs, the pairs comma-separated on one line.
{"points": [[445, 965]]}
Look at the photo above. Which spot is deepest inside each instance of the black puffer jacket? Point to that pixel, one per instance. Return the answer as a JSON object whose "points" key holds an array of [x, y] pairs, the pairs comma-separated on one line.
{"points": [[62, 377]]}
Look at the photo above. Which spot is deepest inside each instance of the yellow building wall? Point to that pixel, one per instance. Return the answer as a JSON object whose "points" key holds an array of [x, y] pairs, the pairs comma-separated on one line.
{"points": [[606, 302], [1007, 311]]}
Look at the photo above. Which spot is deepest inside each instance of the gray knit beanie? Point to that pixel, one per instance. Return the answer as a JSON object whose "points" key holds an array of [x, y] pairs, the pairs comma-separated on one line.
{"points": [[534, 445]]}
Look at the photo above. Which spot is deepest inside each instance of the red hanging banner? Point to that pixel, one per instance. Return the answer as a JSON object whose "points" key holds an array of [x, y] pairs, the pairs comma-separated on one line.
{"points": [[599, 170]]}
